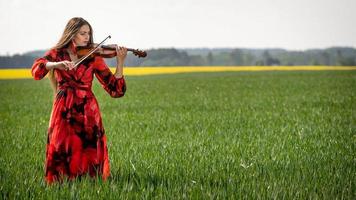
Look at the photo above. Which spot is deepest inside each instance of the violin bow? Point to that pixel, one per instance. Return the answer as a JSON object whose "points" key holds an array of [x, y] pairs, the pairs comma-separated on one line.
{"points": [[91, 52]]}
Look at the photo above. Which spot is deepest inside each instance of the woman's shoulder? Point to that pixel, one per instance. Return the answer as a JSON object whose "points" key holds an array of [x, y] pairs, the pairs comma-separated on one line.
{"points": [[53, 53]]}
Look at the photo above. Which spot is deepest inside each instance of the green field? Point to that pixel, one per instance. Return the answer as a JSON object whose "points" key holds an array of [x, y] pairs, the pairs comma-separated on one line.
{"points": [[250, 135]]}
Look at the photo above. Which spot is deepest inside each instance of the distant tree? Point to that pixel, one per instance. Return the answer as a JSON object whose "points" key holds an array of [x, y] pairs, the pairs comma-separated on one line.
{"points": [[259, 63], [345, 61], [237, 57], [315, 62], [325, 58], [210, 58], [249, 59], [196, 60], [269, 60]]}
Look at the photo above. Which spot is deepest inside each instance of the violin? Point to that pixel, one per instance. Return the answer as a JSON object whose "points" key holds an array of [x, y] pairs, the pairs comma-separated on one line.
{"points": [[105, 51]]}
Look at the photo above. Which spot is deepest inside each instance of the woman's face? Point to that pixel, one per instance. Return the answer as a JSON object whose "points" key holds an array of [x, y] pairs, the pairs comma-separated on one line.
{"points": [[83, 36]]}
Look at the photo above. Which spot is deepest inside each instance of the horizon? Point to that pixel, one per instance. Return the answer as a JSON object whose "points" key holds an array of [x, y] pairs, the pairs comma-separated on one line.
{"points": [[201, 48]]}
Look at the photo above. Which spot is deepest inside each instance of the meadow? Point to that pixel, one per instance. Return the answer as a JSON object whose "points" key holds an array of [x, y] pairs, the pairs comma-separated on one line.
{"points": [[217, 135]]}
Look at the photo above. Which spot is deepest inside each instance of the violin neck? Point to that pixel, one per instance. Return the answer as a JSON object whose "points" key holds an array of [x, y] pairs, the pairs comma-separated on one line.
{"points": [[113, 48]]}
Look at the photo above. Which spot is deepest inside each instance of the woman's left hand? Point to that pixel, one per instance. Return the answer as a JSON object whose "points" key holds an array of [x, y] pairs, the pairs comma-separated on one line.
{"points": [[121, 53]]}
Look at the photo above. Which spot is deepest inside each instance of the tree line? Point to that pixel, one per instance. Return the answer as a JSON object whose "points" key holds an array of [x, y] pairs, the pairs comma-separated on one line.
{"points": [[336, 56]]}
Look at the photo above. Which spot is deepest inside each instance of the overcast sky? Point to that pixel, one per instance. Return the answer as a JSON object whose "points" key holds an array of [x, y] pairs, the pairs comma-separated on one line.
{"points": [[291, 24]]}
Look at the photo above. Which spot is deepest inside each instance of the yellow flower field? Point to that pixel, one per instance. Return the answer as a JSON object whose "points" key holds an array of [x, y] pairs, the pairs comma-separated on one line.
{"points": [[138, 71]]}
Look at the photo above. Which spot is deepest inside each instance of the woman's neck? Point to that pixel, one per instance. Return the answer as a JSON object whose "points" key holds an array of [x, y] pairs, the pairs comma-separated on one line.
{"points": [[72, 48]]}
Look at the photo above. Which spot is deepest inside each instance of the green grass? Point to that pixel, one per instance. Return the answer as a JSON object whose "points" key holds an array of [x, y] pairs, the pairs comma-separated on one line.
{"points": [[250, 135]]}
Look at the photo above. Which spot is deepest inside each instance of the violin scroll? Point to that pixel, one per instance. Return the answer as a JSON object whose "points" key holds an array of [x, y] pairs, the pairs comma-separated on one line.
{"points": [[139, 53]]}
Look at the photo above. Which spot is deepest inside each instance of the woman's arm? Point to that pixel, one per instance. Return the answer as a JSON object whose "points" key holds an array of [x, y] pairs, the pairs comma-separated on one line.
{"points": [[42, 66], [63, 65], [114, 84]]}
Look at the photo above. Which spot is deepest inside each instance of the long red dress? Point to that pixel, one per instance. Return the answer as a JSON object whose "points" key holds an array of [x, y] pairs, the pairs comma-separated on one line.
{"points": [[76, 143]]}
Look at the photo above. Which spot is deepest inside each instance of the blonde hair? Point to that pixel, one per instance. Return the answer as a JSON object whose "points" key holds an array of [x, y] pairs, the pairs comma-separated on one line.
{"points": [[71, 29]]}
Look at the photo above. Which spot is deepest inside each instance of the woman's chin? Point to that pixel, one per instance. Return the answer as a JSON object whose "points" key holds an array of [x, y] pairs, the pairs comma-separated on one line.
{"points": [[82, 44]]}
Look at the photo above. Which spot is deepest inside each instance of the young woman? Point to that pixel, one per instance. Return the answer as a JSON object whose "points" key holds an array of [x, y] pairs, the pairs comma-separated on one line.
{"points": [[76, 143]]}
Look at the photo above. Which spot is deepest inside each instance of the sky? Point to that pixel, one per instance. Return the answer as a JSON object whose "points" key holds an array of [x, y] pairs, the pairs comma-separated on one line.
{"points": [[28, 25]]}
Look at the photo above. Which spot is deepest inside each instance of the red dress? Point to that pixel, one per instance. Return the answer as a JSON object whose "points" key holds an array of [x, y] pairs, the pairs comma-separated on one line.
{"points": [[76, 143]]}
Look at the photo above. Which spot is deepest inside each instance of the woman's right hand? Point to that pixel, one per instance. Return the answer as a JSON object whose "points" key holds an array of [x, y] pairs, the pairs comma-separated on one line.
{"points": [[62, 65]]}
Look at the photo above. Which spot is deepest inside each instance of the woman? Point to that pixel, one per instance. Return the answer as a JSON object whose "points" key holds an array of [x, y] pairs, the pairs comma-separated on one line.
{"points": [[76, 143]]}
